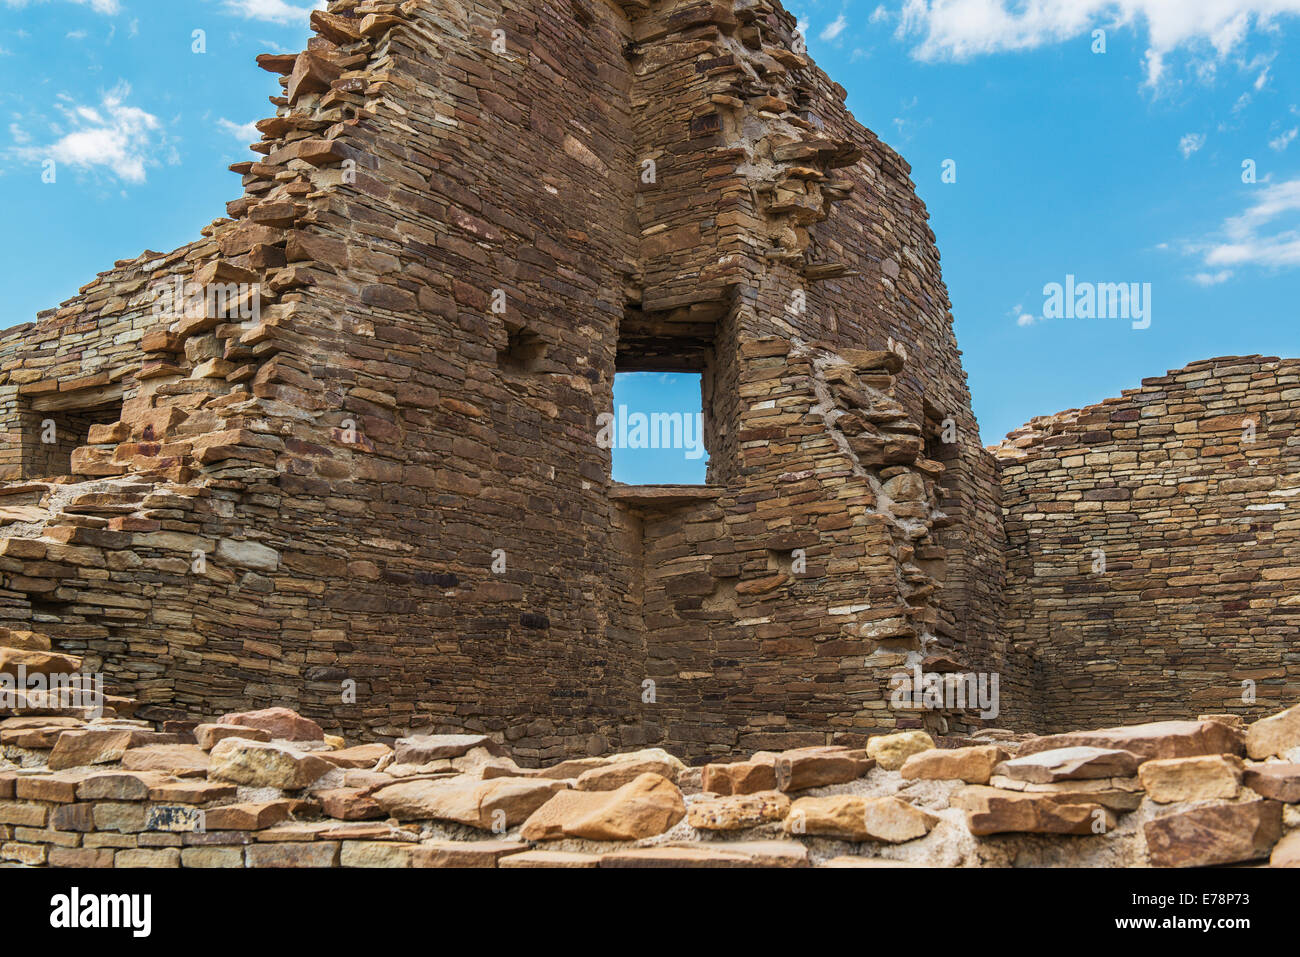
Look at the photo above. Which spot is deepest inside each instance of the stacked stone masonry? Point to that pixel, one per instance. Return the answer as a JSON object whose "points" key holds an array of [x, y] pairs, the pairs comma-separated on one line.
{"points": [[270, 789], [358, 473]]}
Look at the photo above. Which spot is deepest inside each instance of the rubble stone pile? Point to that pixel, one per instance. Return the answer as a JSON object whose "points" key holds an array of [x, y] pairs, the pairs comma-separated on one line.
{"points": [[270, 788]]}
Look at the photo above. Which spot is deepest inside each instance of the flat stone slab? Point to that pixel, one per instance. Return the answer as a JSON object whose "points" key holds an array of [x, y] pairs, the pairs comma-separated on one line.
{"points": [[1162, 739]]}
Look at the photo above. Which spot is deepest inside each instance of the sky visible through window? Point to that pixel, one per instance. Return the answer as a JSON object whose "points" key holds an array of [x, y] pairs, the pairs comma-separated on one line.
{"points": [[663, 409]]}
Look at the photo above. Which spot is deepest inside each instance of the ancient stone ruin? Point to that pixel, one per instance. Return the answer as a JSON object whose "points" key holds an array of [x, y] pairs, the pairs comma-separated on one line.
{"points": [[340, 454]]}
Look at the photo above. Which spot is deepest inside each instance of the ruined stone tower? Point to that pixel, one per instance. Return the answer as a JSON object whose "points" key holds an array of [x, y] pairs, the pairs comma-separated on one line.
{"points": [[341, 452]]}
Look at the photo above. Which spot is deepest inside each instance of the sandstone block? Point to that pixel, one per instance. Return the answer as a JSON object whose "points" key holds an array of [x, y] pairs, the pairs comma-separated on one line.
{"points": [[805, 768], [848, 817], [499, 802], [75, 749], [1275, 735], [891, 751], [1080, 763], [475, 854], [993, 811], [265, 765], [735, 812], [281, 723], [1281, 782], [208, 735], [974, 765], [1219, 834], [741, 777], [643, 808], [1162, 739], [1169, 780]]}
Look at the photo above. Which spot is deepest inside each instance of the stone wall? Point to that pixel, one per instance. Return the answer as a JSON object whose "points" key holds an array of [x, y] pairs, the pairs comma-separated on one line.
{"points": [[1186, 487], [381, 498], [378, 494]]}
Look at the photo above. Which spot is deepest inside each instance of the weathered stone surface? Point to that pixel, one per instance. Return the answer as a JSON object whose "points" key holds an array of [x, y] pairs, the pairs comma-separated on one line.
{"points": [[290, 854], [974, 765], [265, 765], [806, 768], [476, 854], [421, 749], [281, 723], [361, 756], [891, 751], [349, 804], [645, 807], [1170, 780], [612, 776], [182, 760], [491, 805], [1220, 834], [118, 785], [207, 735], [736, 812], [1275, 735], [1287, 851], [1079, 763], [741, 777], [77, 748], [993, 811], [1281, 782], [247, 817], [851, 818], [1162, 739]]}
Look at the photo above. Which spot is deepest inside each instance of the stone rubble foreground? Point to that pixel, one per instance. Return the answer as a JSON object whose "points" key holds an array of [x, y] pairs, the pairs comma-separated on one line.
{"points": [[270, 788]]}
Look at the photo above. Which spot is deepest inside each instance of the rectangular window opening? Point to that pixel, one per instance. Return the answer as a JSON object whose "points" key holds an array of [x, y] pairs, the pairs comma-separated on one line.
{"points": [[54, 427], [658, 435]]}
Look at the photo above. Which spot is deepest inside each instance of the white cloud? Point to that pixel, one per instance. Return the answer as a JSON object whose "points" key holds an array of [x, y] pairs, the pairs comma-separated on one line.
{"points": [[114, 136], [834, 28], [1023, 318], [1267, 234], [1191, 143], [1212, 278], [99, 6], [1286, 139], [245, 133], [879, 15], [960, 29], [277, 11]]}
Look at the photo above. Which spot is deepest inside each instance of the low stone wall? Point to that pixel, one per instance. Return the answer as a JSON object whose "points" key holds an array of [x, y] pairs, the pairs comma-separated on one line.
{"points": [[270, 789]]}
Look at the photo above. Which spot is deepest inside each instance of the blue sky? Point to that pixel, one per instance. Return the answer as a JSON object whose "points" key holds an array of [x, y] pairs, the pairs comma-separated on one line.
{"points": [[1117, 167]]}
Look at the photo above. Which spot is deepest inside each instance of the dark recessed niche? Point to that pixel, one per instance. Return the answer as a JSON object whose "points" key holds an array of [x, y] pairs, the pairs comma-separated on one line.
{"points": [[524, 350], [534, 622]]}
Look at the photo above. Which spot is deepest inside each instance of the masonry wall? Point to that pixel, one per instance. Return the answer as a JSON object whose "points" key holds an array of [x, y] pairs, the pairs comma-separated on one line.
{"points": [[380, 499], [1187, 487]]}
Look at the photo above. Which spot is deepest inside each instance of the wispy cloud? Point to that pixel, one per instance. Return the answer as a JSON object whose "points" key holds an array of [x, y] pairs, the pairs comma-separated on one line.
{"points": [[834, 28], [277, 11], [113, 136], [246, 132], [1266, 234], [1191, 143], [99, 6], [1286, 139], [960, 29]]}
